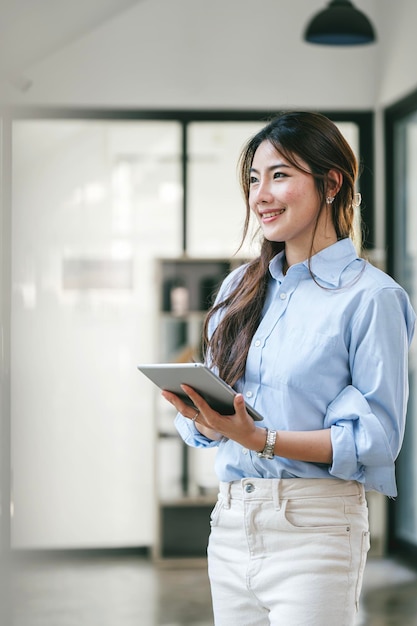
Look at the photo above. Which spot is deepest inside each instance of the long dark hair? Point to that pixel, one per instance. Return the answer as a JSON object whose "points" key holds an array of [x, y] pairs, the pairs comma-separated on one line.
{"points": [[316, 140]]}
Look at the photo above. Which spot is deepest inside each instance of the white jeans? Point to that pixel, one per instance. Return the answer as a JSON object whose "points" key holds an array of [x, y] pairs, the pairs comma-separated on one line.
{"points": [[288, 552]]}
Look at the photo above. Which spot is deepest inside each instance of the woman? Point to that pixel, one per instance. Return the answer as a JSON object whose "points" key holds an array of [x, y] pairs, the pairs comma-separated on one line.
{"points": [[316, 339]]}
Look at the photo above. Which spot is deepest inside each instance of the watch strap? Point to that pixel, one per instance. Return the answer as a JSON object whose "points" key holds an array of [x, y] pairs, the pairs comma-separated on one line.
{"points": [[268, 451]]}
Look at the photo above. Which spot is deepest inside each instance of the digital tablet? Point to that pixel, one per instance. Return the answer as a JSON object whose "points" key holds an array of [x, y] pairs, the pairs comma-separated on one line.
{"points": [[218, 394]]}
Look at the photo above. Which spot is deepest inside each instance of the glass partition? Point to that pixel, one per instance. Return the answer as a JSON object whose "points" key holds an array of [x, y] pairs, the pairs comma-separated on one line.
{"points": [[94, 203], [216, 210]]}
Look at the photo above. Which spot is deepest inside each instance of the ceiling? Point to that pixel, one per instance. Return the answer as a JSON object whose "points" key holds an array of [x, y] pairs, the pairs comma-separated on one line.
{"points": [[31, 30]]}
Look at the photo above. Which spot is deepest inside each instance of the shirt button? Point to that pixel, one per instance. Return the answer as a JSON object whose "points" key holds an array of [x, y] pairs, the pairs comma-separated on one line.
{"points": [[283, 296], [249, 488], [257, 343], [245, 450], [249, 394]]}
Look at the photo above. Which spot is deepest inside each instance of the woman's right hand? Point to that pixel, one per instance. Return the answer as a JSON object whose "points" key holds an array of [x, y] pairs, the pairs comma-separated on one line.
{"points": [[192, 414]]}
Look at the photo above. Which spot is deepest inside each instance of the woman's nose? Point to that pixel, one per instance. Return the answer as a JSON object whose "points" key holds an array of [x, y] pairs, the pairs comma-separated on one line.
{"points": [[264, 192]]}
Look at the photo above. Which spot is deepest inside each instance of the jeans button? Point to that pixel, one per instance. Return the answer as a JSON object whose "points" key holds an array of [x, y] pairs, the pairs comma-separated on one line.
{"points": [[249, 488]]}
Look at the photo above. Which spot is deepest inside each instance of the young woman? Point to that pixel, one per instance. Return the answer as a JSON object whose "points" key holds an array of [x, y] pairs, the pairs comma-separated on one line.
{"points": [[316, 339]]}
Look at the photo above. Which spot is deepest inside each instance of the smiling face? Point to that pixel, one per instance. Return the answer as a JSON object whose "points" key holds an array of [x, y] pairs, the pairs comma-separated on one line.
{"points": [[287, 204]]}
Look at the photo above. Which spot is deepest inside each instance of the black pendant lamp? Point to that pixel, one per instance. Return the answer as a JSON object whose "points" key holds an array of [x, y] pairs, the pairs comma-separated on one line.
{"points": [[341, 24]]}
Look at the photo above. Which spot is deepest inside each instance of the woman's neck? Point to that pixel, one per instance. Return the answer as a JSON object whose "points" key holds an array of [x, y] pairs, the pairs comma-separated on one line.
{"points": [[294, 255]]}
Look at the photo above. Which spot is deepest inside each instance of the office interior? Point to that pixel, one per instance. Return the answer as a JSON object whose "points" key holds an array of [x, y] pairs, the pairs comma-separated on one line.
{"points": [[121, 126]]}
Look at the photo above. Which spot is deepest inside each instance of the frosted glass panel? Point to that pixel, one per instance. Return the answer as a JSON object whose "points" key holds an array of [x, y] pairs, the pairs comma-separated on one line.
{"points": [[216, 209], [94, 204]]}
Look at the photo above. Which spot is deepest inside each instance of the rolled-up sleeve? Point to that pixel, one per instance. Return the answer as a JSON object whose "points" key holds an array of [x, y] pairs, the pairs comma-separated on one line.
{"points": [[367, 418]]}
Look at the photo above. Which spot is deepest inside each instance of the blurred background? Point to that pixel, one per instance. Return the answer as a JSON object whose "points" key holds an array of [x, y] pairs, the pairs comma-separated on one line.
{"points": [[121, 126]]}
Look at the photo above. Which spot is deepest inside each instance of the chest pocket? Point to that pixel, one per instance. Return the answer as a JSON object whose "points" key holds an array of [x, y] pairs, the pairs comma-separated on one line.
{"points": [[304, 360]]}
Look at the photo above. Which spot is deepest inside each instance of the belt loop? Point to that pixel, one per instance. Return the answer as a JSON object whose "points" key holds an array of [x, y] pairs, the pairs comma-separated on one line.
{"points": [[227, 495], [276, 493]]}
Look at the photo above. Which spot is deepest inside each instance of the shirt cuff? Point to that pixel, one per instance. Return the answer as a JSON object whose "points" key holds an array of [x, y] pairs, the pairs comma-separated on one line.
{"points": [[191, 436], [361, 449]]}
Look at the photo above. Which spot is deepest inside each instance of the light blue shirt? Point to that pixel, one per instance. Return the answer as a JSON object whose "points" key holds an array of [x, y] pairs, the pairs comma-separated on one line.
{"points": [[330, 356]]}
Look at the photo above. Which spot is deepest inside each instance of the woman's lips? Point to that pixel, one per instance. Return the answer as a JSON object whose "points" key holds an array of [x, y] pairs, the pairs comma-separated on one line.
{"points": [[269, 214]]}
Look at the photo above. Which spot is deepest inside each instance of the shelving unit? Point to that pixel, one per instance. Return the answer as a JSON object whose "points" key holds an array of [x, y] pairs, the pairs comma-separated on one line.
{"points": [[186, 483]]}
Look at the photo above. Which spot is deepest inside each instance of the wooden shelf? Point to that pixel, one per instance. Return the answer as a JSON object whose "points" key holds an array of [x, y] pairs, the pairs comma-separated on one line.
{"points": [[183, 519]]}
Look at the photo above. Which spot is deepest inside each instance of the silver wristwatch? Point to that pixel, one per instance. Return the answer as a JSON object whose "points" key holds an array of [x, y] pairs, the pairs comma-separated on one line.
{"points": [[268, 451]]}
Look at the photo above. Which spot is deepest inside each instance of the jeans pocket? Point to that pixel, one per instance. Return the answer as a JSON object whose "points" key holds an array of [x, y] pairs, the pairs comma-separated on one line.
{"points": [[365, 546], [316, 515], [215, 514]]}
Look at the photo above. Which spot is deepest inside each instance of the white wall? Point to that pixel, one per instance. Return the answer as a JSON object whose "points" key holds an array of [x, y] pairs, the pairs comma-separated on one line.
{"points": [[397, 65]]}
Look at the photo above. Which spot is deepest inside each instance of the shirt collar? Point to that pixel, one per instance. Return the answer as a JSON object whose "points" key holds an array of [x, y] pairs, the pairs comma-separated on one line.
{"points": [[327, 265]]}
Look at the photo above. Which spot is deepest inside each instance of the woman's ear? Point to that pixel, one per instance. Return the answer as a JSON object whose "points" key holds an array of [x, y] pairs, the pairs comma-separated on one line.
{"points": [[334, 182]]}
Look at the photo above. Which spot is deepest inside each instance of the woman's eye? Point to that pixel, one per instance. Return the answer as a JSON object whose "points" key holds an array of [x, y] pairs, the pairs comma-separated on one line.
{"points": [[279, 175], [252, 180]]}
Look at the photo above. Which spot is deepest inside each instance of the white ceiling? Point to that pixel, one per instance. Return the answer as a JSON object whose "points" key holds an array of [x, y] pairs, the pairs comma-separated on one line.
{"points": [[31, 30], [185, 53]]}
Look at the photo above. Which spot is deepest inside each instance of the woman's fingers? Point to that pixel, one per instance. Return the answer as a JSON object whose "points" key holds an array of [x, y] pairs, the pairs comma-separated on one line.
{"points": [[191, 412]]}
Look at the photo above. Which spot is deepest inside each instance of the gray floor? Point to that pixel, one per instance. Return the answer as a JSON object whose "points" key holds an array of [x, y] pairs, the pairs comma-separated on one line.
{"points": [[130, 590]]}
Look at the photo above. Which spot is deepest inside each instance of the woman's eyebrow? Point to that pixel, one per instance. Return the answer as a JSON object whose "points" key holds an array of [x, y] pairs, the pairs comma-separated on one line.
{"points": [[271, 167]]}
